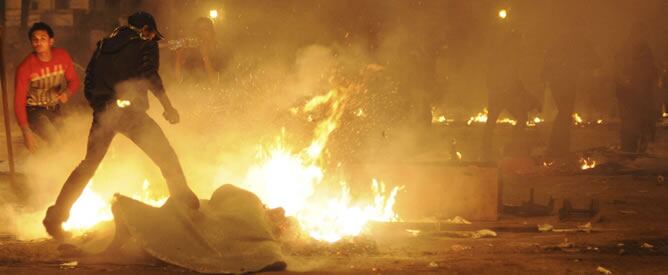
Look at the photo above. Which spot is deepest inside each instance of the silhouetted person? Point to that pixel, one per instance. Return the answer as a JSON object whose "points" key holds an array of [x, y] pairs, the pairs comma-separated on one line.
{"points": [[636, 79], [198, 54], [506, 91], [565, 60]]}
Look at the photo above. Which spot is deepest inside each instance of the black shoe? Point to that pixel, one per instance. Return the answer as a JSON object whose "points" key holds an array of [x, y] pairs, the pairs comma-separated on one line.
{"points": [[54, 226]]}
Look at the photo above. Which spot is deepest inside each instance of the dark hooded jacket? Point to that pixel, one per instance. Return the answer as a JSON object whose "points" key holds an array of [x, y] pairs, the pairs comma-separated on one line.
{"points": [[124, 66]]}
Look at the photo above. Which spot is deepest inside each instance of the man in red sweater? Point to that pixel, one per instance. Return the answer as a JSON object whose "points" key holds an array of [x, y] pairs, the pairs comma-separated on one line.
{"points": [[45, 79]]}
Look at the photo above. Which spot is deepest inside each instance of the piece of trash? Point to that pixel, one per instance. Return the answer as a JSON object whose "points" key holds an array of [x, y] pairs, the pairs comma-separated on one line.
{"points": [[603, 270], [433, 264], [69, 265], [660, 179], [413, 232], [580, 228], [627, 212], [484, 233], [647, 246], [620, 245], [546, 227], [457, 220], [459, 247]]}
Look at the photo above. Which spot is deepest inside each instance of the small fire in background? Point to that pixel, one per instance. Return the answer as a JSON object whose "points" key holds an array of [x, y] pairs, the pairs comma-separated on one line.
{"points": [[480, 118], [506, 121], [548, 163], [577, 119], [587, 163], [599, 121], [535, 121], [438, 118], [664, 115]]}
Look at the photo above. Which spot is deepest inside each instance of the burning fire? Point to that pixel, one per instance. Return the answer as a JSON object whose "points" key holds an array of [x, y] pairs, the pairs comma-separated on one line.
{"points": [[535, 121], [295, 180], [482, 118], [587, 163], [438, 118], [91, 209], [577, 119]]}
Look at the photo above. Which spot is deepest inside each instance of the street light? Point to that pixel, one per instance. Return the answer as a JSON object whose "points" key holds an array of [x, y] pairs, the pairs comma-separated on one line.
{"points": [[213, 14], [503, 13]]}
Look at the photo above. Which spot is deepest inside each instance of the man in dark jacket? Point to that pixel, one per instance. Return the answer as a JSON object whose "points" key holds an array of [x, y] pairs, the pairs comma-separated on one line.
{"points": [[122, 69]]}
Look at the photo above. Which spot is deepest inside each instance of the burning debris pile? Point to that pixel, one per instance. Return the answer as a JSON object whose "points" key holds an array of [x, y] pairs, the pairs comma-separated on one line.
{"points": [[298, 183]]}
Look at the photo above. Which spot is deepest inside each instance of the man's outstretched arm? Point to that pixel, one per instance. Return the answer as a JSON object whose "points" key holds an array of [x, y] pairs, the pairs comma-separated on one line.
{"points": [[150, 65]]}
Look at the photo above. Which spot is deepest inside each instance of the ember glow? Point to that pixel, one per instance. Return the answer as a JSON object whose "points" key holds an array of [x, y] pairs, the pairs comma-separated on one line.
{"points": [[295, 180]]}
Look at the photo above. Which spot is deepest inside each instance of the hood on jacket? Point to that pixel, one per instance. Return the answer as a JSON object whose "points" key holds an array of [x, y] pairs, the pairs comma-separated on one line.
{"points": [[118, 39]]}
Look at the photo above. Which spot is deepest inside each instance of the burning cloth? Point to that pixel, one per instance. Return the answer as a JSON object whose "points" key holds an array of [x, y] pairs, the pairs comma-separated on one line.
{"points": [[230, 234]]}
